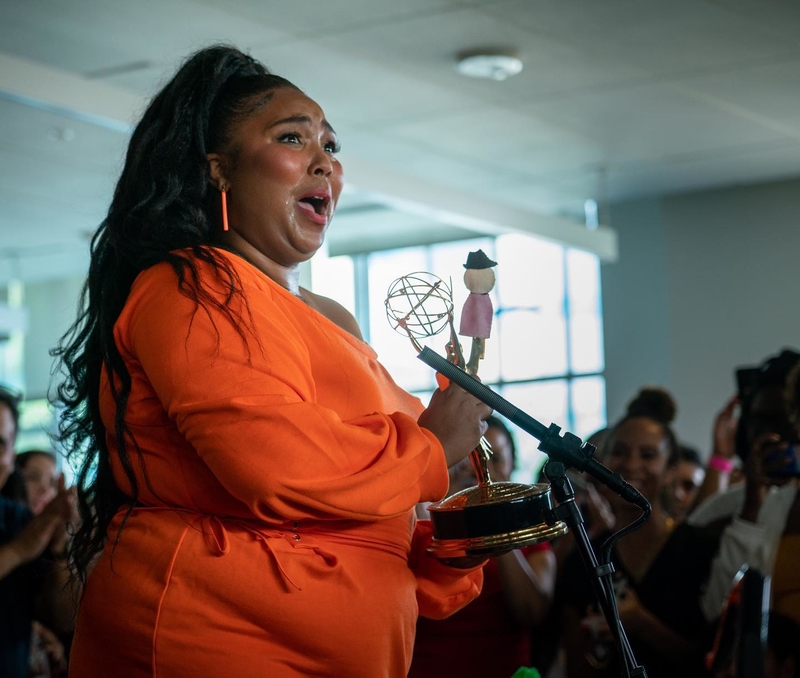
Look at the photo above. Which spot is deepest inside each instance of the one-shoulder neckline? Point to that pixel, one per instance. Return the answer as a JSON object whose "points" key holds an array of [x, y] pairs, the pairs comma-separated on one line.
{"points": [[313, 313]]}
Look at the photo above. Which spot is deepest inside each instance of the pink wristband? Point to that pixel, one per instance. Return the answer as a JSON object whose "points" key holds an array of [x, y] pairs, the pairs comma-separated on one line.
{"points": [[721, 464]]}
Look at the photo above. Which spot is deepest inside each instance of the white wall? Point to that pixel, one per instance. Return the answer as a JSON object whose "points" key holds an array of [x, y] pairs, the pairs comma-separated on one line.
{"points": [[705, 282]]}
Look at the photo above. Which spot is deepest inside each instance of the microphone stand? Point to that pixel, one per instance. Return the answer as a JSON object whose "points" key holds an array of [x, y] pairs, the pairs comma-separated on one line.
{"points": [[567, 511], [564, 451]]}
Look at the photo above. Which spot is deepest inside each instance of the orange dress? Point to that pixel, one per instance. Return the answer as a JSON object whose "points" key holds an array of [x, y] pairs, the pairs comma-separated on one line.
{"points": [[275, 533]]}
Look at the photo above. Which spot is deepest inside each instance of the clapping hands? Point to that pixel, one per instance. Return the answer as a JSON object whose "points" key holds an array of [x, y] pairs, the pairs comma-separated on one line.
{"points": [[49, 528]]}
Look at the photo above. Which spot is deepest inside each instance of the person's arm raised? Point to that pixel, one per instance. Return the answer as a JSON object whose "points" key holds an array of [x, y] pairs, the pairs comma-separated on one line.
{"points": [[720, 464], [57, 600], [32, 540]]}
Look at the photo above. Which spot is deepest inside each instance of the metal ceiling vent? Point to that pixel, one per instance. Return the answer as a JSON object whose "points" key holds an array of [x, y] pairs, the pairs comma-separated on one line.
{"points": [[490, 64]]}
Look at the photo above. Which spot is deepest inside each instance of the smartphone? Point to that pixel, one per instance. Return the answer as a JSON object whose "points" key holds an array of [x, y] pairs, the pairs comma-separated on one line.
{"points": [[785, 461], [745, 385], [745, 381]]}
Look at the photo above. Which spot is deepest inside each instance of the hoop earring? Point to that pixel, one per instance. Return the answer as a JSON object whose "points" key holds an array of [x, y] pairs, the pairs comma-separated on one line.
{"points": [[224, 195]]}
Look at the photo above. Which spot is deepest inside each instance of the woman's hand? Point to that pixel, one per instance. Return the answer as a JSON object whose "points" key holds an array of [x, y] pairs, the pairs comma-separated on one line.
{"points": [[457, 419], [723, 439], [41, 530], [67, 507], [54, 650], [771, 461], [725, 424]]}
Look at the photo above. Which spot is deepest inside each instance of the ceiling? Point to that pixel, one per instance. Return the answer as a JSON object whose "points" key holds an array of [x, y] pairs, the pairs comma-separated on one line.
{"points": [[617, 99]]}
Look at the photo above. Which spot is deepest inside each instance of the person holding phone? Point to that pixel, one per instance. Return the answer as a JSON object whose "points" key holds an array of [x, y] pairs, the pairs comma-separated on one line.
{"points": [[758, 512]]}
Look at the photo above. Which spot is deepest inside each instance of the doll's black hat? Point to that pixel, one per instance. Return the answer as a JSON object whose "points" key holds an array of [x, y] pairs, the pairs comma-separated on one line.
{"points": [[479, 260]]}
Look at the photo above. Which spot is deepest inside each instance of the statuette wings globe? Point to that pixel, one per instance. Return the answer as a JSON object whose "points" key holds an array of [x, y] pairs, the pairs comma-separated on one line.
{"points": [[419, 304]]}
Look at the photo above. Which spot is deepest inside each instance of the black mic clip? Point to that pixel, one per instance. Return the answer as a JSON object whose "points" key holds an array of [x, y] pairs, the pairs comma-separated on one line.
{"points": [[569, 448]]}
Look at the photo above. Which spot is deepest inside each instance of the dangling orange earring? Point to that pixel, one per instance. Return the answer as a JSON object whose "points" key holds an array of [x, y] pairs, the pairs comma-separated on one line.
{"points": [[224, 193]]}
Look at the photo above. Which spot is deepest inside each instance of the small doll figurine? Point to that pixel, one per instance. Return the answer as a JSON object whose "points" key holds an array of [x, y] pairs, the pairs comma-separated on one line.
{"points": [[477, 314]]}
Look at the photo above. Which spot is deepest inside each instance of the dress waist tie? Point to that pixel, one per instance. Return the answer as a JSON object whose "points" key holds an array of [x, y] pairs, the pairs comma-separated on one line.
{"points": [[215, 530]]}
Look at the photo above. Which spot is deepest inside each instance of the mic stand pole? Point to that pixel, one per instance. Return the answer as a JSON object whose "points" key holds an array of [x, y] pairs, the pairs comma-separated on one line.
{"points": [[567, 511]]}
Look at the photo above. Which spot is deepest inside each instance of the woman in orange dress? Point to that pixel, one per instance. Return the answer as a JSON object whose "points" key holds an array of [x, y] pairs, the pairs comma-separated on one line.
{"points": [[252, 469]]}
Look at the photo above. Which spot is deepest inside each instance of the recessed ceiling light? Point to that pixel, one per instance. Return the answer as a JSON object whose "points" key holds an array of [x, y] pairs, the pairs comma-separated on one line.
{"points": [[488, 64]]}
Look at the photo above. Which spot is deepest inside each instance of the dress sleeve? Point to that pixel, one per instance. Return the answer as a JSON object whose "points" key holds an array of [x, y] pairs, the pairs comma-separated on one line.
{"points": [[441, 590], [246, 401]]}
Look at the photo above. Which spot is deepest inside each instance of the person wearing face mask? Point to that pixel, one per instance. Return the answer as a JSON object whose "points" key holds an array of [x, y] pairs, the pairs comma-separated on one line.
{"points": [[661, 568], [248, 493]]}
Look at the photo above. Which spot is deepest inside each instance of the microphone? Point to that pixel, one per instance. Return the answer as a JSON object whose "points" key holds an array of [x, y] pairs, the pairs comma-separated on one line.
{"points": [[568, 449]]}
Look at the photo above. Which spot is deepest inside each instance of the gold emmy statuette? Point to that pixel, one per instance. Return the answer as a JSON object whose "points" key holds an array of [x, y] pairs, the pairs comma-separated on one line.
{"points": [[490, 518]]}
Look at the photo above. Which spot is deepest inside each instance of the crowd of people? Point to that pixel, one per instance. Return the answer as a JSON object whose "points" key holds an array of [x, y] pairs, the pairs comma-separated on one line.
{"points": [[251, 483], [672, 581]]}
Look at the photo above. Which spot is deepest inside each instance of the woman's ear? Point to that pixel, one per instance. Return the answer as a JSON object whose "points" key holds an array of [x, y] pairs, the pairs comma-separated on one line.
{"points": [[216, 170]]}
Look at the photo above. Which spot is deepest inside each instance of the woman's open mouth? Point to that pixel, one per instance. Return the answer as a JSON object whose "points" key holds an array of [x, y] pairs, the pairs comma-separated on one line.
{"points": [[315, 206]]}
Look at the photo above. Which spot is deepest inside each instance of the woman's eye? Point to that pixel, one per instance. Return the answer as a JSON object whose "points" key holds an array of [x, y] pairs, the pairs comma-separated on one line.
{"points": [[333, 147], [290, 137]]}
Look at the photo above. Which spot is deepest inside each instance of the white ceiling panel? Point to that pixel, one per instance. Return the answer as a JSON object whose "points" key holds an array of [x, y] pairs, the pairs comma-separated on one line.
{"points": [[767, 94], [29, 224], [549, 164], [488, 131], [617, 99], [651, 121], [357, 92], [53, 190], [779, 16], [318, 18], [426, 48], [765, 162], [550, 198], [659, 37], [59, 140], [417, 157], [502, 140], [91, 36]]}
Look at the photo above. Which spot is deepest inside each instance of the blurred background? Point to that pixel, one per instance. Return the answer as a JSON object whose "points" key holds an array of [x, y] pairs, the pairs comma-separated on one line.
{"points": [[637, 181]]}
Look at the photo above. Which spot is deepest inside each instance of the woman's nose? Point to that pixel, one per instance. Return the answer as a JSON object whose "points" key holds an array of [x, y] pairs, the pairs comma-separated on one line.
{"points": [[322, 163]]}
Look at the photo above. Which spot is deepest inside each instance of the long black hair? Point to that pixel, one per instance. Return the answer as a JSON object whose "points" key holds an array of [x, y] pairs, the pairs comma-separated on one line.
{"points": [[163, 210]]}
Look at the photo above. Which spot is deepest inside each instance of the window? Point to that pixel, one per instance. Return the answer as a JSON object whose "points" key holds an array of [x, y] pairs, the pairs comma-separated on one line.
{"points": [[545, 355]]}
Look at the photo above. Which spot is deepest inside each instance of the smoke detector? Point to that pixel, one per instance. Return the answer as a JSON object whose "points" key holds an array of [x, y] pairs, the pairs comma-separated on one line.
{"points": [[488, 64]]}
